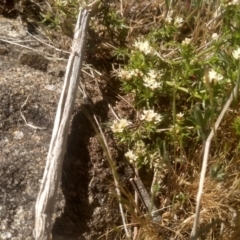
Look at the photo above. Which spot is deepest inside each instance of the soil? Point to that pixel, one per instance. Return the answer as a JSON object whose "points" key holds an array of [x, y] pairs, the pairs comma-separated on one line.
{"points": [[30, 86]]}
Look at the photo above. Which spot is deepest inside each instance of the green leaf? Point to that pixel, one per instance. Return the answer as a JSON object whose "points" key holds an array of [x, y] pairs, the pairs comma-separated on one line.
{"points": [[199, 118]]}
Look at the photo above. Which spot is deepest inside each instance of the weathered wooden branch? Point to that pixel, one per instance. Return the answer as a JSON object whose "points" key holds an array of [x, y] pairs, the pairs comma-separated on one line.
{"points": [[52, 174]]}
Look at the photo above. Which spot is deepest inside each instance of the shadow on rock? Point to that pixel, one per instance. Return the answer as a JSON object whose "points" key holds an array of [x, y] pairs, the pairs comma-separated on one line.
{"points": [[91, 208], [75, 180]]}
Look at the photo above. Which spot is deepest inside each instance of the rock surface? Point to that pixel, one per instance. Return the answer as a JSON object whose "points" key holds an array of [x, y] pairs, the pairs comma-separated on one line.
{"points": [[30, 86]]}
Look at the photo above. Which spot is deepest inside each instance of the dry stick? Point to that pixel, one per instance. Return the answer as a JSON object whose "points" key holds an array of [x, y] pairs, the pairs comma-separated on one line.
{"points": [[205, 156], [48, 190]]}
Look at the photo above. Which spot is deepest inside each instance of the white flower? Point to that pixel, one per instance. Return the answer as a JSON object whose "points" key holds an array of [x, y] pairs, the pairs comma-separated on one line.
{"points": [[127, 75], [150, 80], [178, 22], [215, 36], [153, 73], [151, 83], [186, 41], [168, 19], [230, 3], [143, 47], [119, 125], [131, 156], [151, 116], [124, 74], [138, 73], [233, 2], [179, 116], [214, 76], [236, 53]]}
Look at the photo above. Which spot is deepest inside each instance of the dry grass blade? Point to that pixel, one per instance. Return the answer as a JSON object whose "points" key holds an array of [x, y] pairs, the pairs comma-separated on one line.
{"points": [[94, 122], [115, 176]]}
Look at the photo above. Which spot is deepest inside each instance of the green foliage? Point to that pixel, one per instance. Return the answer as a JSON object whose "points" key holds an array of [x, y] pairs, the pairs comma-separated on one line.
{"points": [[236, 125], [193, 83], [216, 173], [179, 75], [62, 15]]}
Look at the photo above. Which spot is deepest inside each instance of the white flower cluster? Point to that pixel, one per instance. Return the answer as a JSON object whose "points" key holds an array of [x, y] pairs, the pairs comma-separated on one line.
{"points": [[178, 22], [213, 77], [215, 36], [150, 79], [151, 116], [180, 116], [186, 41], [144, 47], [119, 125], [236, 53], [131, 156], [139, 149], [129, 74], [168, 19], [233, 2]]}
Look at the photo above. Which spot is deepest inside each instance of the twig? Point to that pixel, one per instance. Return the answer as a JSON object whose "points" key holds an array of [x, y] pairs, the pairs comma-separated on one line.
{"points": [[113, 112], [32, 49], [233, 95], [50, 46], [24, 119]]}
